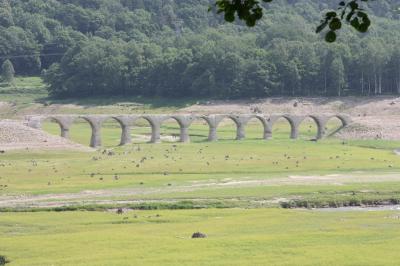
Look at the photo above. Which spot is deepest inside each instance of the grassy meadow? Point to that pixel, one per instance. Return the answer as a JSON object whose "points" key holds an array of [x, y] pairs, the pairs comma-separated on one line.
{"points": [[234, 237], [240, 193], [171, 164]]}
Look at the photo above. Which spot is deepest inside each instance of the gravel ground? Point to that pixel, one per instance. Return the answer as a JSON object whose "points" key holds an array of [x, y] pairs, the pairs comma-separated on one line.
{"points": [[15, 135]]}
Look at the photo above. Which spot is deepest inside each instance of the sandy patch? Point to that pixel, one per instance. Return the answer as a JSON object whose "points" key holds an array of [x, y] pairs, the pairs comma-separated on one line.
{"points": [[146, 138]]}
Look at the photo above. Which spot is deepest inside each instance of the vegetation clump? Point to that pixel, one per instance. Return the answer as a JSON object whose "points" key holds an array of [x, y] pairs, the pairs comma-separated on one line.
{"points": [[339, 202], [7, 72], [199, 235], [3, 260]]}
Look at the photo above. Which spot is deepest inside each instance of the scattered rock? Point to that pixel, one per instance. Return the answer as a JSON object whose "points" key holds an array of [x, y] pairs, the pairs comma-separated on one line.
{"points": [[199, 235]]}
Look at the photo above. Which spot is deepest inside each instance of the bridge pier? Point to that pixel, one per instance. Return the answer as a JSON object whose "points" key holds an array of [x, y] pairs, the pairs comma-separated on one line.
{"points": [[34, 122], [213, 122], [95, 123], [184, 121], [241, 122], [267, 126], [126, 122], [65, 123], [184, 136], [294, 122], [155, 123], [321, 122]]}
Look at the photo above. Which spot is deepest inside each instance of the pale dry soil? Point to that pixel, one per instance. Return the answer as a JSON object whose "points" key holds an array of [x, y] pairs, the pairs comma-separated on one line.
{"points": [[108, 196], [373, 117]]}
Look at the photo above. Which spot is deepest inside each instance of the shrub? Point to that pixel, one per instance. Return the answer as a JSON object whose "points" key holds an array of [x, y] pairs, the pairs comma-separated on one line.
{"points": [[3, 260]]}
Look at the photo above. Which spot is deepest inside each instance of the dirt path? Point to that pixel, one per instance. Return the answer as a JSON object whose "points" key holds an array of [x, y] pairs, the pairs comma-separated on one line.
{"points": [[114, 195]]}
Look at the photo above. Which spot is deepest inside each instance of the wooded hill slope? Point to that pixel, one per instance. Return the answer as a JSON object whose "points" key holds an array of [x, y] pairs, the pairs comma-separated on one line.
{"points": [[177, 48]]}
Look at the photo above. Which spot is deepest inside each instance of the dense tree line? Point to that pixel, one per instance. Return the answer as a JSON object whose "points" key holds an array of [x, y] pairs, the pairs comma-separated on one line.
{"points": [[178, 48]]}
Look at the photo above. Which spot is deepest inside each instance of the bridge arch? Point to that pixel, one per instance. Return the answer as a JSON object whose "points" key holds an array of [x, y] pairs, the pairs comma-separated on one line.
{"points": [[214, 121], [205, 121], [53, 120], [155, 122], [267, 130], [319, 121], [64, 123], [294, 122], [171, 128], [343, 118], [141, 130], [344, 122], [95, 123], [115, 123], [184, 121], [240, 125]]}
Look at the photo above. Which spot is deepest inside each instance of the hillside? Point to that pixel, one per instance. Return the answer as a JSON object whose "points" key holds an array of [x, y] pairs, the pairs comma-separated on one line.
{"points": [[176, 48]]}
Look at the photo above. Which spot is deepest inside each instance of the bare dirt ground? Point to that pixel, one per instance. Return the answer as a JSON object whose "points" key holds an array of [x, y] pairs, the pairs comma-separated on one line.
{"points": [[113, 196], [373, 117], [15, 135]]}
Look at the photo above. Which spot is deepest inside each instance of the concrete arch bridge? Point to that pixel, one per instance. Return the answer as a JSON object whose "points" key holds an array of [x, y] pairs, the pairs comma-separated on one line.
{"points": [[184, 121]]}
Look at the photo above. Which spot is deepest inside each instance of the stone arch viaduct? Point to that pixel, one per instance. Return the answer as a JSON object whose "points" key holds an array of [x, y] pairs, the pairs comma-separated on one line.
{"points": [[184, 121]]}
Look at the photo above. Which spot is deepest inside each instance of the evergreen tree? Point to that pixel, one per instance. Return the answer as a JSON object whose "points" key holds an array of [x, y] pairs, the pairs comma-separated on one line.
{"points": [[6, 17], [338, 76], [7, 71]]}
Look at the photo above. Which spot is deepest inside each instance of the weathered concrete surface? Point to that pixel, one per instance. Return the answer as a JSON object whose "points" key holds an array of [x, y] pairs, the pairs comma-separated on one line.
{"points": [[184, 121]]}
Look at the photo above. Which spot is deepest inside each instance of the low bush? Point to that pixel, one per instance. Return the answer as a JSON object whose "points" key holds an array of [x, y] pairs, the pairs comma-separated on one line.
{"points": [[3, 260]]}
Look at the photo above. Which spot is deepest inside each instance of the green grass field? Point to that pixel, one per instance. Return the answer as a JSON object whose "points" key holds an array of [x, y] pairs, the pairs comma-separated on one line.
{"points": [[143, 165], [235, 237], [231, 190]]}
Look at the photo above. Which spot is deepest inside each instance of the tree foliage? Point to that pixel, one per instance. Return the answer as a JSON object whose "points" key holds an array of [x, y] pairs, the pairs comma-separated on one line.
{"points": [[177, 48], [7, 71], [251, 11]]}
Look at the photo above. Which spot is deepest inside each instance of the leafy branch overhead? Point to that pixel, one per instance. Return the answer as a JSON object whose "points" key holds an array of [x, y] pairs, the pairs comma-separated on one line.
{"points": [[251, 11]]}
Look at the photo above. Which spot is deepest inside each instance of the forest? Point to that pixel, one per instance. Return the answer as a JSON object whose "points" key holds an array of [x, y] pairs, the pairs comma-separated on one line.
{"points": [[177, 48]]}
